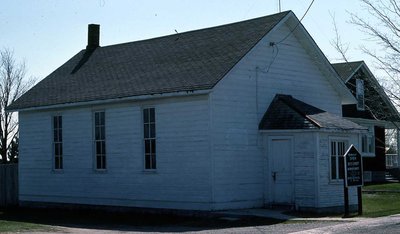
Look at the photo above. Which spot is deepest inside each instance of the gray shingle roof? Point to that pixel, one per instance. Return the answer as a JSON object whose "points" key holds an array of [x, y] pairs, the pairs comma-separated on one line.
{"points": [[378, 104], [345, 70], [189, 61], [286, 112]]}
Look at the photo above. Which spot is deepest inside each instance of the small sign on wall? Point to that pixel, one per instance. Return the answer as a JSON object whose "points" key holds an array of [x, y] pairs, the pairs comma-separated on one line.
{"points": [[353, 168]]}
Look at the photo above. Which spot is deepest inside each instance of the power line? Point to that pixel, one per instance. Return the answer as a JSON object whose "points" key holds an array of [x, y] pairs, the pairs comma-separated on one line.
{"points": [[272, 44], [298, 23]]}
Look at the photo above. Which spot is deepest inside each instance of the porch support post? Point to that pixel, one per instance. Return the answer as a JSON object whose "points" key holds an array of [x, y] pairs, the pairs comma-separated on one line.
{"points": [[398, 147]]}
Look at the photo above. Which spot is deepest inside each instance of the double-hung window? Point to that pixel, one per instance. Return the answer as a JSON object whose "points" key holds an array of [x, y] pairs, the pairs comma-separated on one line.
{"points": [[100, 140], [360, 94], [57, 142], [149, 135], [368, 142], [337, 151]]}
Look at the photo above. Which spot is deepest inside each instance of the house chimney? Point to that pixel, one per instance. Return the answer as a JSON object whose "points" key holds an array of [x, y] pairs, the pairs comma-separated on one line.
{"points": [[93, 36]]}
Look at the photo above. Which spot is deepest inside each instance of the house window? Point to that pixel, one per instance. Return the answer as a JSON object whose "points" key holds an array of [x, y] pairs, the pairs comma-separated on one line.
{"points": [[337, 149], [100, 139], [149, 134], [57, 142], [360, 94], [368, 142]]}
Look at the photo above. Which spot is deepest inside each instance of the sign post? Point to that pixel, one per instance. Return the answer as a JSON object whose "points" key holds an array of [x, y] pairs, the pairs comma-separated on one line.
{"points": [[353, 177]]}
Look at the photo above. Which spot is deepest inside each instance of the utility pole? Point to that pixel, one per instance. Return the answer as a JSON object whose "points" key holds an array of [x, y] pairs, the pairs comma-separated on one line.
{"points": [[280, 9]]}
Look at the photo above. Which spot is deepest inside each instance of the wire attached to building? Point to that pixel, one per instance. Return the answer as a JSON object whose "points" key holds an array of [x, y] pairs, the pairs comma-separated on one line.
{"points": [[298, 23], [275, 44]]}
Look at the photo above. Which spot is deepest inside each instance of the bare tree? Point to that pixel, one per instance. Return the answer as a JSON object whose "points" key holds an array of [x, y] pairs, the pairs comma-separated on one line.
{"points": [[12, 85], [337, 43], [383, 26], [372, 98]]}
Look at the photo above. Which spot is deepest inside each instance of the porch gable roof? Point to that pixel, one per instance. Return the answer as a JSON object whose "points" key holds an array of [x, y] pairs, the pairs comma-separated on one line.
{"points": [[286, 112]]}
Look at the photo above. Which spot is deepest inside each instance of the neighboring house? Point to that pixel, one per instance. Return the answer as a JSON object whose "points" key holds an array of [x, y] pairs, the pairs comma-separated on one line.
{"points": [[241, 115], [373, 110]]}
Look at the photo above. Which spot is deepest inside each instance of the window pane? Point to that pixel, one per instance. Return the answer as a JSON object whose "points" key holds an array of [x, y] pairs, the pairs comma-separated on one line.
{"points": [[333, 167], [147, 146], [103, 147], [59, 121], [147, 161], [145, 115], [98, 147], [146, 131], [340, 148], [153, 161], [98, 162], [103, 162], [97, 133], [371, 144], [153, 146], [102, 133], [61, 163], [364, 143], [56, 163], [56, 150], [341, 167], [152, 115], [60, 149], [55, 138], [102, 118], [96, 118], [55, 122], [60, 134], [152, 130]]}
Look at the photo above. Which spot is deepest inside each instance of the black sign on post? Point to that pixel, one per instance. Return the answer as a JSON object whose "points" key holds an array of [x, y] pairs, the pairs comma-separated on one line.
{"points": [[353, 168], [353, 177]]}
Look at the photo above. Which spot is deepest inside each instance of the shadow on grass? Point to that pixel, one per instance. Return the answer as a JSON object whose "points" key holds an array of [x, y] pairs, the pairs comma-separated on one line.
{"points": [[128, 221]]}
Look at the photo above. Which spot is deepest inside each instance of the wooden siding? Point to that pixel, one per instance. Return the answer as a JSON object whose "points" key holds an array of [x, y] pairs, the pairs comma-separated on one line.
{"points": [[182, 178], [238, 103], [331, 192]]}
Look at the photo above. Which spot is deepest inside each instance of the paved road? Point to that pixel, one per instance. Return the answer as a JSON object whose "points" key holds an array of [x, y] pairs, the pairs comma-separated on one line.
{"points": [[390, 224]]}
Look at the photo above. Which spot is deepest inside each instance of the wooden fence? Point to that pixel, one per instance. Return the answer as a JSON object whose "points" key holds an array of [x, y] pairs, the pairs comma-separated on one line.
{"points": [[8, 185]]}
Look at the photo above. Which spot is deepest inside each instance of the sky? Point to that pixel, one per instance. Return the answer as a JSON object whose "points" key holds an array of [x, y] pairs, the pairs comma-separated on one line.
{"points": [[46, 33]]}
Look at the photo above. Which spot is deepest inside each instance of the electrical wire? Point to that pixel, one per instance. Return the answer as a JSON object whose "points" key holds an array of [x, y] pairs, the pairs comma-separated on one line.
{"points": [[290, 33]]}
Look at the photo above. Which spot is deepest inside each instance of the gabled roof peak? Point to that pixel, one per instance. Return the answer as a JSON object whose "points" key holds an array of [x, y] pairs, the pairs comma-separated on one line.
{"points": [[189, 61]]}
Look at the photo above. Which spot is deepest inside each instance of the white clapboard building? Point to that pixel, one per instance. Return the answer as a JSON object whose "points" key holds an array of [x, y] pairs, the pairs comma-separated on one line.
{"points": [[241, 115]]}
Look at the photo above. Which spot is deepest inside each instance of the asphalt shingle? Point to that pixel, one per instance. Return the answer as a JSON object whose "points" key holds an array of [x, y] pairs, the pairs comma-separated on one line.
{"points": [[194, 60], [286, 112]]}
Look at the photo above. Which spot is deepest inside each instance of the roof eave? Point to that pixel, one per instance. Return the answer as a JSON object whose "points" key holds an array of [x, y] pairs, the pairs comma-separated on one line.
{"points": [[115, 100]]}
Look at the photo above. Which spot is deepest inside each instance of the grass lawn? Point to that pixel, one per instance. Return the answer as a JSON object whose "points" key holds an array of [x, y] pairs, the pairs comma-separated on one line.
{"points": [[387, 186], [376, 204], [15, 226]]}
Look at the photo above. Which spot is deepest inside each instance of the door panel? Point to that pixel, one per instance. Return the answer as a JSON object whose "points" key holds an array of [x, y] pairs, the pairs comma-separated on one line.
{"points": [[280, 154]]}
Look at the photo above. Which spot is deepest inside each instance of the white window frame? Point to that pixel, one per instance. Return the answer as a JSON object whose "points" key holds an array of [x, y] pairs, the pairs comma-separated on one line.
{"points": [[57, 142], [151, 139], [337, 155], [102, 140], [369, 136], [360, 95]]}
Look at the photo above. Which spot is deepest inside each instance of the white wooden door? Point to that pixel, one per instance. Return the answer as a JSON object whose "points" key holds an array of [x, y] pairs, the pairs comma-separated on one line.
{"points": [[280, 153]]}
